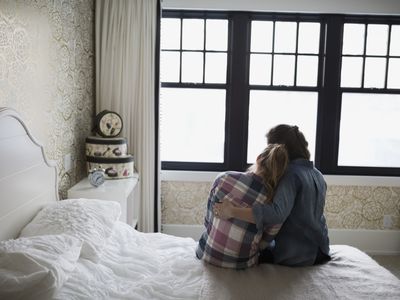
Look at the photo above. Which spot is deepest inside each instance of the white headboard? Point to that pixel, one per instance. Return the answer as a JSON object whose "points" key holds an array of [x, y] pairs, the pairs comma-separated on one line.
{"points": [[27, 179]]}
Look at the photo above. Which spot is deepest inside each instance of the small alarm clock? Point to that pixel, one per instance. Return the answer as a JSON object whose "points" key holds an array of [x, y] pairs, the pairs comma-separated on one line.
{"points": [[96, 177], [108, 123]]}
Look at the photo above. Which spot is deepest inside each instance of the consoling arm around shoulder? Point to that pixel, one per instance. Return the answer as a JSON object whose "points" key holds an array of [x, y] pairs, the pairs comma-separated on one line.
{"points": [[283, 201], [263, 214], [226, 210]]}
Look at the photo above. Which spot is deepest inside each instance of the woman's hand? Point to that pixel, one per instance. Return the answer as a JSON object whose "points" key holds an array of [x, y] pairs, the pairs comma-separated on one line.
{"points": [[226, 210], [223, 209]]}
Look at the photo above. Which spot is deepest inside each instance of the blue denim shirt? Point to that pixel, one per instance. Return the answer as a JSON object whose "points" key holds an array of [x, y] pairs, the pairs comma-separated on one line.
{"points": [[298, 203]]}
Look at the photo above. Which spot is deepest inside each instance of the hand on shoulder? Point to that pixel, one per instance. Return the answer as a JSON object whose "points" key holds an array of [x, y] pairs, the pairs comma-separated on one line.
{"points": [[223, 209]]}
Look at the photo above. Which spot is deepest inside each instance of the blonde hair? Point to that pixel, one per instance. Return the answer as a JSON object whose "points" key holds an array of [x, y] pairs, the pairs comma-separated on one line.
{"points": [[271, 165]]}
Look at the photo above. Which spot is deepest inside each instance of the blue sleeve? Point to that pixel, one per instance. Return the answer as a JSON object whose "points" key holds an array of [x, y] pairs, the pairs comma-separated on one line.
{"points": [[283, 201]]}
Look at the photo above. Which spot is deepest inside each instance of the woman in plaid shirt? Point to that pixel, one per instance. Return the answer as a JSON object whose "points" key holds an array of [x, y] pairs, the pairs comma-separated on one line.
{"points": [[235, 243], [298, 204]]}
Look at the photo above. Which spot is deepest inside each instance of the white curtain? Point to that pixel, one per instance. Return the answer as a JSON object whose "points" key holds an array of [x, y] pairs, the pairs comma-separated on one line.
{"points": [[125, 73]]}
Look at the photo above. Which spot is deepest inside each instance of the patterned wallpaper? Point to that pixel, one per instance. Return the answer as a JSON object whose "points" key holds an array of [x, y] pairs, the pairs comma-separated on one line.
{"points": [[347, 207], [47, 75]]}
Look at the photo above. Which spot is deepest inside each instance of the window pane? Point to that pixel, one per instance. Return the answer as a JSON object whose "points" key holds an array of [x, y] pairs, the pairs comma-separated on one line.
{"points": [[374, 76], [260, 69], [369, 130], [192, 125], [307, 70], [169, 66], [353, 38], [285, 37], [170, 33], [351, 71], [215, 68], [395, 40], [217, 35], [193, 34], [270, 108], [192, 67], [393, 75], [261, 36], [377, 39], [308, 37], [284, 70]]}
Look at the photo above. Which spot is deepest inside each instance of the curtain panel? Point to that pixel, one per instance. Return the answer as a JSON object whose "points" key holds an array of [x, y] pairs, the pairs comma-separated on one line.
{"points": [[125, 33]]}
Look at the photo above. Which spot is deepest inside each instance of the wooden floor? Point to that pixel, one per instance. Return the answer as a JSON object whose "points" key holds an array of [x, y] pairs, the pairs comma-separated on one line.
{"points": [[390, 262]]}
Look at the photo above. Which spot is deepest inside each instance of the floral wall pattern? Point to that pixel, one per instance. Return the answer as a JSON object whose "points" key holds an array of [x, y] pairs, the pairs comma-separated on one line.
{"points": [[47, 75], [347, 207]]}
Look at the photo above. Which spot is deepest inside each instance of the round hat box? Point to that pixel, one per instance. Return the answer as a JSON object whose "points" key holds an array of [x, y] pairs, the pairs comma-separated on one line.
{"points": [[114, 167], [106, 147]]}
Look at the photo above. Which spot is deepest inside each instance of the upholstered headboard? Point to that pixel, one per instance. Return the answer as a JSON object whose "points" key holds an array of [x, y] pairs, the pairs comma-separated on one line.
{"points": [[27, 179]]}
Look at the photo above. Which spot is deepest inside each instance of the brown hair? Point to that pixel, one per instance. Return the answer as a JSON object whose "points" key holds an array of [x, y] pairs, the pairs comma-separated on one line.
{"points": [[271, 165], [294, 140]]}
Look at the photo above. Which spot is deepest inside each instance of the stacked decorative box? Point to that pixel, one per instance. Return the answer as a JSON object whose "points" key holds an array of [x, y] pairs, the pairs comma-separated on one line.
{"points": [[109, 152]]}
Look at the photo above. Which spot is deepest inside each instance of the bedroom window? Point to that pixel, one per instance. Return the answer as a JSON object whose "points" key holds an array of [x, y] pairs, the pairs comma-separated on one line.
{"points": [[369, 86], [284, 58], [227, 77], [193, 65]]}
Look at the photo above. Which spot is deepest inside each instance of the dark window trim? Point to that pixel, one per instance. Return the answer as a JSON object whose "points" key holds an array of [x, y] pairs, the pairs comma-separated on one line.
{"points": [[157, 112], [328, 88], [329, 102], [194, 85], [193, 166]]}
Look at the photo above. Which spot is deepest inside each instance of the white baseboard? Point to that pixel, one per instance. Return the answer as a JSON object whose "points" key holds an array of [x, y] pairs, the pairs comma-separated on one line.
{"points": [[193, 231], [374, 242]]}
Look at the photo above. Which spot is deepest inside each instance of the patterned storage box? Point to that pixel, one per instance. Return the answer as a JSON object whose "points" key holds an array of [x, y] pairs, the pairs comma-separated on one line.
{"points": [[106, 147], [115, 167]]}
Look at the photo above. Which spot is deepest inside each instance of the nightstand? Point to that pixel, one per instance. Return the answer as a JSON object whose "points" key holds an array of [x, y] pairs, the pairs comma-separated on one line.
{"points": [[125, 191]]}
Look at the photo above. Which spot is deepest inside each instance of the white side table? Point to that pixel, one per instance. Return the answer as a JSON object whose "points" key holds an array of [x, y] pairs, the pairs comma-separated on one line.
{"points": [[125, 191]]}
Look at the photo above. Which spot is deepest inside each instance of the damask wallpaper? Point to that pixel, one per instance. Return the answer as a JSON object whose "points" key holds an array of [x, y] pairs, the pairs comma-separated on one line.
{"points": [[47, 74], [347, 207]]}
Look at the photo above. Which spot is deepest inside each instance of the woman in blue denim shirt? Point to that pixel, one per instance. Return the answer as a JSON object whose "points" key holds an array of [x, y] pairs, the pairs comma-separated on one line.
{"points": [[298, 203]]}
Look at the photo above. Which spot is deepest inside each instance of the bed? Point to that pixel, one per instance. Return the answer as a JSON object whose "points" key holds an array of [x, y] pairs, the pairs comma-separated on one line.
{"points": [[135, 265]]}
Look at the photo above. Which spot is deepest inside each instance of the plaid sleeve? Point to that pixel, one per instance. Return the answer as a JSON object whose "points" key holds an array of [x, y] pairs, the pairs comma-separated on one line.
{"points": [[213, 197], [234, 243], [268, 235]]}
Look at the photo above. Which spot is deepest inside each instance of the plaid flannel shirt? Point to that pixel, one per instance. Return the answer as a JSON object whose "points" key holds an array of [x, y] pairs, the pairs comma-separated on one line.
{"points": [[234, 243]]}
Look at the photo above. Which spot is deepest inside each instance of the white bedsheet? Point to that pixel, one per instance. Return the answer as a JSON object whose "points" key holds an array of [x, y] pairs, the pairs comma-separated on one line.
{"points": [[159, 266], [138, 266]]}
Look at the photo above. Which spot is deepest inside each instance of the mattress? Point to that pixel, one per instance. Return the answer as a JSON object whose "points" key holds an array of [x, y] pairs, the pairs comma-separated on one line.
{"points": [[139, 265]]}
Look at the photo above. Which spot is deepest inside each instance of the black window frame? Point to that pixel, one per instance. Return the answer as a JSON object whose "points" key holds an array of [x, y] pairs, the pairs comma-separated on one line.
{"points": [[329, 127], [238, 88]]}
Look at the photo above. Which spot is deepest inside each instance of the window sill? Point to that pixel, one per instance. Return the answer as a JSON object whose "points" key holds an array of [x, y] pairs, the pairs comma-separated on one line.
{"points": [[198, 176]]}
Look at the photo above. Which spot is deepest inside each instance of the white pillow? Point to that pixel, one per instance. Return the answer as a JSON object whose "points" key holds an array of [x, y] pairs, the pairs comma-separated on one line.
{"points": [[36, 267], [87, 219]]}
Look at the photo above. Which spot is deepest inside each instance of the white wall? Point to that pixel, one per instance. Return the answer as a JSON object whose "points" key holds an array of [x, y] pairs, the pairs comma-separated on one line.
{"points": [[391, 7]]}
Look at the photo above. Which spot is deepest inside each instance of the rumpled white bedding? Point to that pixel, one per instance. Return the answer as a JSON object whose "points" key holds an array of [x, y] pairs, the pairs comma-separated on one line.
{"points": [[135, 265]]}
